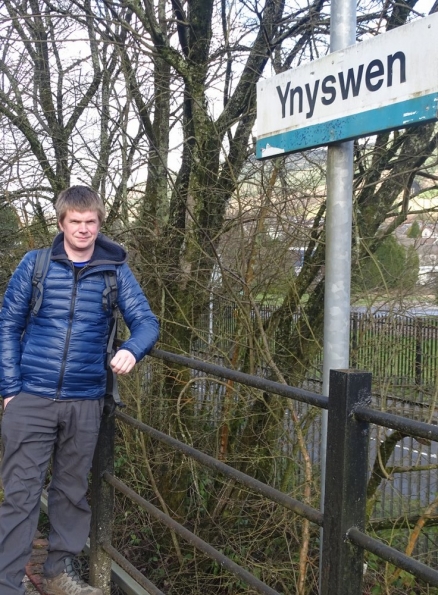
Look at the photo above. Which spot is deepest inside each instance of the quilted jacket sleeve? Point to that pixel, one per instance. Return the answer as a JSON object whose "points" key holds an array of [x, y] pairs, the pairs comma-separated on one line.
{"points": [[13, 319], [134, 307]]}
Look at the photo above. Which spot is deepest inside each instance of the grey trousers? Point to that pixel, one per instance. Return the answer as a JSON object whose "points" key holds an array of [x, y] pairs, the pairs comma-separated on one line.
{"points": [[34, 428]]}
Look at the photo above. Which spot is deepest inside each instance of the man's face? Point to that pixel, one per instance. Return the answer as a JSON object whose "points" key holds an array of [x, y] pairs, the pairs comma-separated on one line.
{"points": [[80, 232]]}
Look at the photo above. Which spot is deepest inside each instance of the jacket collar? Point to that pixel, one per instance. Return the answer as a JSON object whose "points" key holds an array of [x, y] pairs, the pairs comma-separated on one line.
{"points": [[105, 251]]}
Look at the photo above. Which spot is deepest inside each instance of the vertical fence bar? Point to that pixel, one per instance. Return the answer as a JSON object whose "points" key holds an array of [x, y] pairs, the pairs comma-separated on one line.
{"points": [[354, 339], [418, 351], [345, 483], [102, 506]]}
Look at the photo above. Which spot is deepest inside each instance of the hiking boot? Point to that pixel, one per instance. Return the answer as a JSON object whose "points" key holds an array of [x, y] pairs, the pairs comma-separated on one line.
{"points": [[68, 583]]}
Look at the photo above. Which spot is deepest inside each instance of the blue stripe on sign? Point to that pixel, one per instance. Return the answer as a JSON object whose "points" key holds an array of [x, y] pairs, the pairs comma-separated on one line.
{"points": [[389, 117]]}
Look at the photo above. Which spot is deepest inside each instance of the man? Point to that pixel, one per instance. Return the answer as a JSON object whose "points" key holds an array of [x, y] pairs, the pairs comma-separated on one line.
{"points": [[53, 380]]}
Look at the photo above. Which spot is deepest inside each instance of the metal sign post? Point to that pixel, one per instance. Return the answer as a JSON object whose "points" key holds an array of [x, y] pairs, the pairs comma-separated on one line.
{"points": [[338, 236]]}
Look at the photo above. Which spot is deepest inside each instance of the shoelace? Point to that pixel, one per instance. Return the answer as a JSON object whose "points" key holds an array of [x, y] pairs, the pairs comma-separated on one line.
{"points": [[72, 573]]}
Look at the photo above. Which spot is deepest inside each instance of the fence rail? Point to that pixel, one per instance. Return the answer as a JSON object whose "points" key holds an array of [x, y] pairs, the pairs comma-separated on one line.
{"points": [[343, 520]]}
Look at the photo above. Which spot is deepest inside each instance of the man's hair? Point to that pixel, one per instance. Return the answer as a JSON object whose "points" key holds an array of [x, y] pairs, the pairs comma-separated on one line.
{"points": [[79, 198]]}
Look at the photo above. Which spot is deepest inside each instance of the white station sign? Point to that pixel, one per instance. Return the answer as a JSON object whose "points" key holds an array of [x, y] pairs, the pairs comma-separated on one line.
{"points": [[387, 82]]}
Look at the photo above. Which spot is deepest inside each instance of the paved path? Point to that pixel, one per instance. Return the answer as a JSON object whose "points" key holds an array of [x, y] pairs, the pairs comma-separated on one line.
{"points": [[33, 578]]}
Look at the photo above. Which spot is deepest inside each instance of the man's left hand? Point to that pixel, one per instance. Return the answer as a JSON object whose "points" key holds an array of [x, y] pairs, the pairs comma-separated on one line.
{"points": [[123, 362]]}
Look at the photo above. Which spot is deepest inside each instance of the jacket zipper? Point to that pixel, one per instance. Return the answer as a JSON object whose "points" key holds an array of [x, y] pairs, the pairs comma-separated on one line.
{"points": [[68, 336]]}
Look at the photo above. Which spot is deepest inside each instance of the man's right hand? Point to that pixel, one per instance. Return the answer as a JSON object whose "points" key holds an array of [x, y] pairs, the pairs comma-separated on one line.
{"points": [[6, 401]]}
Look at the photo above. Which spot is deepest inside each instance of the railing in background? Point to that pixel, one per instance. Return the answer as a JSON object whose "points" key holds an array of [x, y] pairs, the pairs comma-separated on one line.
{"points": [[344, 539], [399, 348]]}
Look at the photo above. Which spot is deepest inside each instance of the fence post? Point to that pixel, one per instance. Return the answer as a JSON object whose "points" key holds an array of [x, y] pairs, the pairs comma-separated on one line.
{"points": [[345, 483], [102, 506]]}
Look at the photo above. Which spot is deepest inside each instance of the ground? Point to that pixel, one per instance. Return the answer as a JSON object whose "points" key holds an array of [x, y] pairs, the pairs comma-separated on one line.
{"points": [[33, 578]]}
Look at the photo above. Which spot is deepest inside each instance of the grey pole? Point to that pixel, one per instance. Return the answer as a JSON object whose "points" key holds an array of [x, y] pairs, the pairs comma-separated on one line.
{"points": [[338, 232]]}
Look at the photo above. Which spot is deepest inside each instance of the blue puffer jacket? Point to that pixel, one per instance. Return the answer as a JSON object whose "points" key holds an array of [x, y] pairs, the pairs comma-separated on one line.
{"points": [[61, 352]]}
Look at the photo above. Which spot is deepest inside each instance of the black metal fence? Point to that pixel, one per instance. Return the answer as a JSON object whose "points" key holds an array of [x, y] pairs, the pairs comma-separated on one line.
{"points": [[344, 539], [399, 349]]}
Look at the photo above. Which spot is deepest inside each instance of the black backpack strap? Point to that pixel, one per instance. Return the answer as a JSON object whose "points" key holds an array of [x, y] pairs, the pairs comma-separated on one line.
{"points": [[109, 295], [41, 267], [109, 301]]}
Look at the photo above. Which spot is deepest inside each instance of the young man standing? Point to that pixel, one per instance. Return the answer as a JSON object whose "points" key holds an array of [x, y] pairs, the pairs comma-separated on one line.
{"points": [[53, 380]]}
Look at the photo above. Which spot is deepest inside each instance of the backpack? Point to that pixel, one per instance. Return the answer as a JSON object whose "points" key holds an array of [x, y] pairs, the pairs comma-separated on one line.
{"points": [[109, 300]]}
